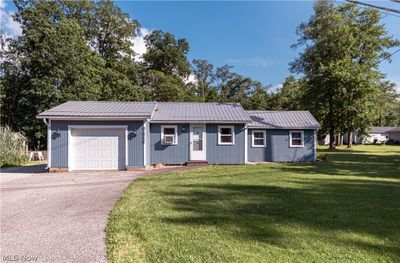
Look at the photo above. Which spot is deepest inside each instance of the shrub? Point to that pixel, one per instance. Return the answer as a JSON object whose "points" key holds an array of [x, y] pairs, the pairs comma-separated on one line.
{"points": [[12, 148]]}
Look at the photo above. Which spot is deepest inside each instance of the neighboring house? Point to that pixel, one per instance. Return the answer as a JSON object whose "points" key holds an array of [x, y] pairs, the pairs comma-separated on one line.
{"points": [[394, 134], [134, 135], [376, 135]]}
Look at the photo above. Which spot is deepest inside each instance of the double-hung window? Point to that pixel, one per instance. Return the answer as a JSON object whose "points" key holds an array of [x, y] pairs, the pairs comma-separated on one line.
{"points": [[296, 138], [226, 135], [259, 138], [169, 134]]}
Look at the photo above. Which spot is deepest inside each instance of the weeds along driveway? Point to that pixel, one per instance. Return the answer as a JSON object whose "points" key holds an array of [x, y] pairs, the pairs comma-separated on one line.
{"points": [[58, 217]]}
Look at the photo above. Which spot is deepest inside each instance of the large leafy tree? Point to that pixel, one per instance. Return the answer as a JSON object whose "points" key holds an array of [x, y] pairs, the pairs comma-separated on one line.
{"points": [[203, 72], [288, 97], [343, 46], [166, 54], [68, 51], [50, 63], [165, 67]]}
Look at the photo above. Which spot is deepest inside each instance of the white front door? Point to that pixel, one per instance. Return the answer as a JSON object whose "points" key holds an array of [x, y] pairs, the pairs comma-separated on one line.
{"points": [[97, 149], [198, 142]]}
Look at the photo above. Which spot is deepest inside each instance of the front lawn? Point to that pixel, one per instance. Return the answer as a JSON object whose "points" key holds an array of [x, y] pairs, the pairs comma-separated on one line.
{"points": [[343, 210]]}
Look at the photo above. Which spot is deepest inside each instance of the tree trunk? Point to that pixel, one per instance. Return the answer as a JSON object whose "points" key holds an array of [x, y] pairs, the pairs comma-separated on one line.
{"points": [[331, 139], [350, 140], [341, 139]]}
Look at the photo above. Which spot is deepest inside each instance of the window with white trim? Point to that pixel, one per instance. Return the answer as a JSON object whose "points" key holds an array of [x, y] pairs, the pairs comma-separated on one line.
{"points": [[169, 134], [259, 138], [226, 135], [296, 138]]}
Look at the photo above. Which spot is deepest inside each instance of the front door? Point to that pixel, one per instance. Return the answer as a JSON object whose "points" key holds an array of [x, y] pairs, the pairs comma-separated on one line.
{"points": [[198, 142]]}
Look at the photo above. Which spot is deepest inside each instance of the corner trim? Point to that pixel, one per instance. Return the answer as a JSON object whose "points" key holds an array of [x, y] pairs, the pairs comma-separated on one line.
{"points": [[246, 146]]}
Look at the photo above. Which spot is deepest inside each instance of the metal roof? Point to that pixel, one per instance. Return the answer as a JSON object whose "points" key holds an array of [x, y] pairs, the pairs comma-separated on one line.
{"points": [[381, 129], [283, 120], [200, 111], [101, 109], [396, 129]]}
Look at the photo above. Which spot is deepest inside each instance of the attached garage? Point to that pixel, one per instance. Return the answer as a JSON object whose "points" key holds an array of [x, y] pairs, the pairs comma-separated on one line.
{"points": [[97, 148]]}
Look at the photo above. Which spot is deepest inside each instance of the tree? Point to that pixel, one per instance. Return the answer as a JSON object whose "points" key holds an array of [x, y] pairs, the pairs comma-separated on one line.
{"points": [[288, 97], [258, 99], [203, 71], [388, 101], [166, 54], [343, 46], [67, 51], [48, 64], [166, 87]]}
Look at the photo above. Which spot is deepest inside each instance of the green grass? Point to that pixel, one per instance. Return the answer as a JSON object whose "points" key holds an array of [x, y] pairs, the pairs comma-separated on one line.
{"points": [[344, 210]]}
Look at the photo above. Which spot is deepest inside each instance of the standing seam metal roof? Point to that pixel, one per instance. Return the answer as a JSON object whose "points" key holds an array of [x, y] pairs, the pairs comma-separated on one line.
{"points": [[101, 109], [283, 120], [382, 129], [200, 111]]}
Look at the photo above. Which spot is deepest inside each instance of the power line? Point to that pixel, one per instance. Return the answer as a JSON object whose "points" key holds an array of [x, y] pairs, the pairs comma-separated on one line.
{"points": [[397, 1], [389, 56], [375, 6], [381, 11]]}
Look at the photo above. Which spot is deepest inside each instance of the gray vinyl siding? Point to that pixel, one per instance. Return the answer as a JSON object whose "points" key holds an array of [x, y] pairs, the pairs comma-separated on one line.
{"points": [[278, 150], [225, 154], [180, 153], [59, 144], [169, 154]]}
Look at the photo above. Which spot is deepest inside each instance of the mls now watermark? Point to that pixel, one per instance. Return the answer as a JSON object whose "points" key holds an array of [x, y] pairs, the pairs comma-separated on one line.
{"points": [[20, 258]]}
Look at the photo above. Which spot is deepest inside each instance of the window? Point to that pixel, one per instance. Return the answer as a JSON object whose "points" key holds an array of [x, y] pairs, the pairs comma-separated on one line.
{"points": [[296, 138], [169, 134], [226, 135], [259, 138]]}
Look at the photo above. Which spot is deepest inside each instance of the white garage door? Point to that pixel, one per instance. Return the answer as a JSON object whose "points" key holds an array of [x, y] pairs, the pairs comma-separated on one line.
{"points": [[97, 149]]}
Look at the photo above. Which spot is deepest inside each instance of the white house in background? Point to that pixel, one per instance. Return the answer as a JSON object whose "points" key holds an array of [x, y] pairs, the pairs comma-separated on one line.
{"points": [[376, 135]]}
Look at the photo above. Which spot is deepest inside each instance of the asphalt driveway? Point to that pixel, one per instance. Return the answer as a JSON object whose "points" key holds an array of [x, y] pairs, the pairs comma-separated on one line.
{"points": [[58, 217]]}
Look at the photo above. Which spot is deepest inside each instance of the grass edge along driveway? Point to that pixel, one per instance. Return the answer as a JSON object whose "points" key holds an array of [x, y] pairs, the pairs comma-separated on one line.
{"points": [[343, 210]]}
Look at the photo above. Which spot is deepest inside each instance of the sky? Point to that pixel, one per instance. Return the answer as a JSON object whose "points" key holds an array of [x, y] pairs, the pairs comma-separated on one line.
{"points": [[254, 37]]}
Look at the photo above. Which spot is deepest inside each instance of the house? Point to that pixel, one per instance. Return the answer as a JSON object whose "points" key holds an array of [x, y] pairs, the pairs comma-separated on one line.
{"points": [[88, 135], [375, 135], [394, 135]]}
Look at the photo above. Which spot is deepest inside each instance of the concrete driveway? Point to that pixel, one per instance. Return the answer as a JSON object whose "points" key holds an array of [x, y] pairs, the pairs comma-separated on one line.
{"points": [[58, 217]]}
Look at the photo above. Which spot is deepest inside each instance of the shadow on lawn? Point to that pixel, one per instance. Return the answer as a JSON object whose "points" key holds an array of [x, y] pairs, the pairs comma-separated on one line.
{"points": [[258, 212], [369, 165]]}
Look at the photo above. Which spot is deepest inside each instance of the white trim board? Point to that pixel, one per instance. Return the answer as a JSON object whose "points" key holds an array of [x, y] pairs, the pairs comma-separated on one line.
{"points": [[96, 127], [49, 144], [246, 142]]}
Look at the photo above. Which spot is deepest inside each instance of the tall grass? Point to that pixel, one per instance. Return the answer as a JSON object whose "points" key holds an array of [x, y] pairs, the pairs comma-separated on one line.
{"points": [[12, 148]]}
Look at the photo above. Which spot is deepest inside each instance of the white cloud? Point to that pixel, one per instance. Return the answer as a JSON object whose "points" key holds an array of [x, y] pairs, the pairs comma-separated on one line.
{"points": [[397, 87], [139, 45], [190, 79], [10, 27], [274, 88]]}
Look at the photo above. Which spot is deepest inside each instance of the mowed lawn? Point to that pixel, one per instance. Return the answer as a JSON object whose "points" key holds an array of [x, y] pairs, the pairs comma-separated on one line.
{"points": [[344, 210]]}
